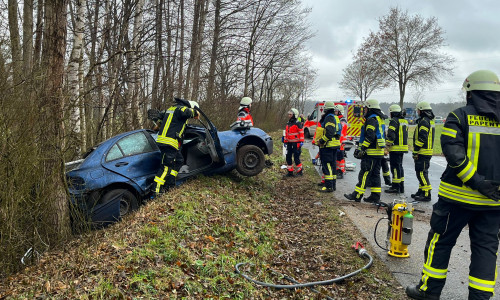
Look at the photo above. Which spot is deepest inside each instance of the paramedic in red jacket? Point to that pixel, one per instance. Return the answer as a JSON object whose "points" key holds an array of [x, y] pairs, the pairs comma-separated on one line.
{"points": [[294, 139], [244, 111]]}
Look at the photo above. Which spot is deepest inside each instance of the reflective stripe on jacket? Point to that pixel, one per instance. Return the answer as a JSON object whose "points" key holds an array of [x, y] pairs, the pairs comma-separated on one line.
{"points": [[423, 137], [372, 136], [471, 144], [173, 125], [294, 133], [332, 127], [397, 135], [244, 115]]}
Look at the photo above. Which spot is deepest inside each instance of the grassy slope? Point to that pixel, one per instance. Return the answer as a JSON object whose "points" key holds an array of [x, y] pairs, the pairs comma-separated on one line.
{"points": [[185, 244]]}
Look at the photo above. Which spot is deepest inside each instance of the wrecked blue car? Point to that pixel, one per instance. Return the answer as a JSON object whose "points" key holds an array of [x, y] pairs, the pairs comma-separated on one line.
{"points": [[114, 177]]}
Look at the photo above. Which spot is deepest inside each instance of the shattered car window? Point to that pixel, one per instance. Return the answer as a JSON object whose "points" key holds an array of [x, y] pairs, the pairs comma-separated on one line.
{"points": [[129, 145]]}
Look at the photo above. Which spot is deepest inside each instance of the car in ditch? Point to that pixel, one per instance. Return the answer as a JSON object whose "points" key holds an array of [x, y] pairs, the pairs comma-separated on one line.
{"points": [[114, 177]]}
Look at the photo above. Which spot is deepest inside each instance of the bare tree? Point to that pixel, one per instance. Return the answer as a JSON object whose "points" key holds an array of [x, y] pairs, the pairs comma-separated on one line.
{"points": [[15, 42], [407, 48], [75, 102], [51, 118], [362, 77]]}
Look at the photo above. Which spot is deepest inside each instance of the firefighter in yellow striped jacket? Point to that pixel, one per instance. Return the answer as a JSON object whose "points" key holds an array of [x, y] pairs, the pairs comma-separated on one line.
{"points": [[469, 192], [169, 141], [423, 144], [371, 153], [397, 144], [329, 144]]}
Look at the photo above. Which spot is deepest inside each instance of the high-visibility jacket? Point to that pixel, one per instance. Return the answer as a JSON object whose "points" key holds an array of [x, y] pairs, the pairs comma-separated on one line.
{"points": [[173, 124], [397, 135], [343, 133], [372, 136], [471, 144], [294, 133], [332, 128], [423, 137], [244, 115]]}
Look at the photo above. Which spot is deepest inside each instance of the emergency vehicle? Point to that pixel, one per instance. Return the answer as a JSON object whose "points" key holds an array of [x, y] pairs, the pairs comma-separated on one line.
{"points": [[353, 115]]}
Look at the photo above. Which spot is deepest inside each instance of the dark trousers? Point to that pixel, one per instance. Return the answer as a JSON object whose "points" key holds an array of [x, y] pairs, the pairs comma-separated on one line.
{"points": [[398, 175], [369, 175], [386, 172], [171, 162], [447, 221], [292, 150], [422, 169], [328, 158]]}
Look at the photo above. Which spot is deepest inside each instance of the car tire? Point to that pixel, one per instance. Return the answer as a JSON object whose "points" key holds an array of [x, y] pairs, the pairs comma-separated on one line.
{"points": [[128, 201], [250, 160], [307, 135]]}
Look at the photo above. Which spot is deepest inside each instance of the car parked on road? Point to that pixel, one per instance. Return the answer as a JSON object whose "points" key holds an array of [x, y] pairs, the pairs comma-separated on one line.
{"points": [[439, 120], [115, 176]]}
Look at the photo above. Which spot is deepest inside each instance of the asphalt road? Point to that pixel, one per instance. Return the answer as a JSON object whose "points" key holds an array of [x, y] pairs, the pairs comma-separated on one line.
{"points": [[365, 216]]}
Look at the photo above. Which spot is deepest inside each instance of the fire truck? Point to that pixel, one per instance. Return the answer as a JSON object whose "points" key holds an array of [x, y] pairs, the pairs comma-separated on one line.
{"points": [[353, 111]]}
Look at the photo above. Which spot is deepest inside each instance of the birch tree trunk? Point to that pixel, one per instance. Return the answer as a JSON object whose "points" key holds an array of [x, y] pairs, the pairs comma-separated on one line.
{"points": [[135, 78], [73, 70]]}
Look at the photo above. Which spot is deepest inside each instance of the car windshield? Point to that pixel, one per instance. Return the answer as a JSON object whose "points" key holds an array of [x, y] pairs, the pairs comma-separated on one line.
{"points": [[130, 145]]}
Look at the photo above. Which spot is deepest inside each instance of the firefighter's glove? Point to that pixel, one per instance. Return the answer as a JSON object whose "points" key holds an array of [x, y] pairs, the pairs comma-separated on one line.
{"points": [[489, 188], [415, 155], [322, 142], [337, 136], [359, 153]]}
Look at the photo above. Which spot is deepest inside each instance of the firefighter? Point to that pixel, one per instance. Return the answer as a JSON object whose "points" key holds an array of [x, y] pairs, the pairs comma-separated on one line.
{"points": [[329, 143], [294, 139], [371, 153], [397, 144], [244, 110], [423, 144], [468, 192], [170, 141], [343, 137]]}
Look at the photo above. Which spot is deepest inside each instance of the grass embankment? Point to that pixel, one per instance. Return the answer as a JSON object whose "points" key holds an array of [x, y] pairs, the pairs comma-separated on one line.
{"points": [[185, 245]]}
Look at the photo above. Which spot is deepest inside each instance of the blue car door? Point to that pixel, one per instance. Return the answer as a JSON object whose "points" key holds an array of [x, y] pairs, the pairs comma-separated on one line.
{"points": [[135, 157]]}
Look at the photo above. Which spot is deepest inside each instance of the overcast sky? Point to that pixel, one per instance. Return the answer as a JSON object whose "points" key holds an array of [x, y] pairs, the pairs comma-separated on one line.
{"points": [[471, 29]]}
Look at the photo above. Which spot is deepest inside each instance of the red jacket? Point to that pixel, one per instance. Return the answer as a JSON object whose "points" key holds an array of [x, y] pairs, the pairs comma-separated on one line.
{"points": [[244, 115], [294, 133], [343, 133]]}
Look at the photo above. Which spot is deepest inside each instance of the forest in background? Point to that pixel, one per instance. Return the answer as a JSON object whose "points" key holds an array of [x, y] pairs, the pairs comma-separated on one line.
{"points": [[76, 72]]}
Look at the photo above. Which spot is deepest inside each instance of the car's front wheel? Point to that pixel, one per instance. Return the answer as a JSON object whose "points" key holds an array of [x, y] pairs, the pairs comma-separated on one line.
{"points": [[128, 201], [250, 160]]}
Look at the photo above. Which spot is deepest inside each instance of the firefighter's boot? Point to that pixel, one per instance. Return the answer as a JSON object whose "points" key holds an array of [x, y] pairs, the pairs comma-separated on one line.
{"points": [[374, 198], [328, 188], [423, 197], [387, 180], [394, 189], [289, 174], [415, 293], [299, 172], [354, 196], [417, 194]]}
